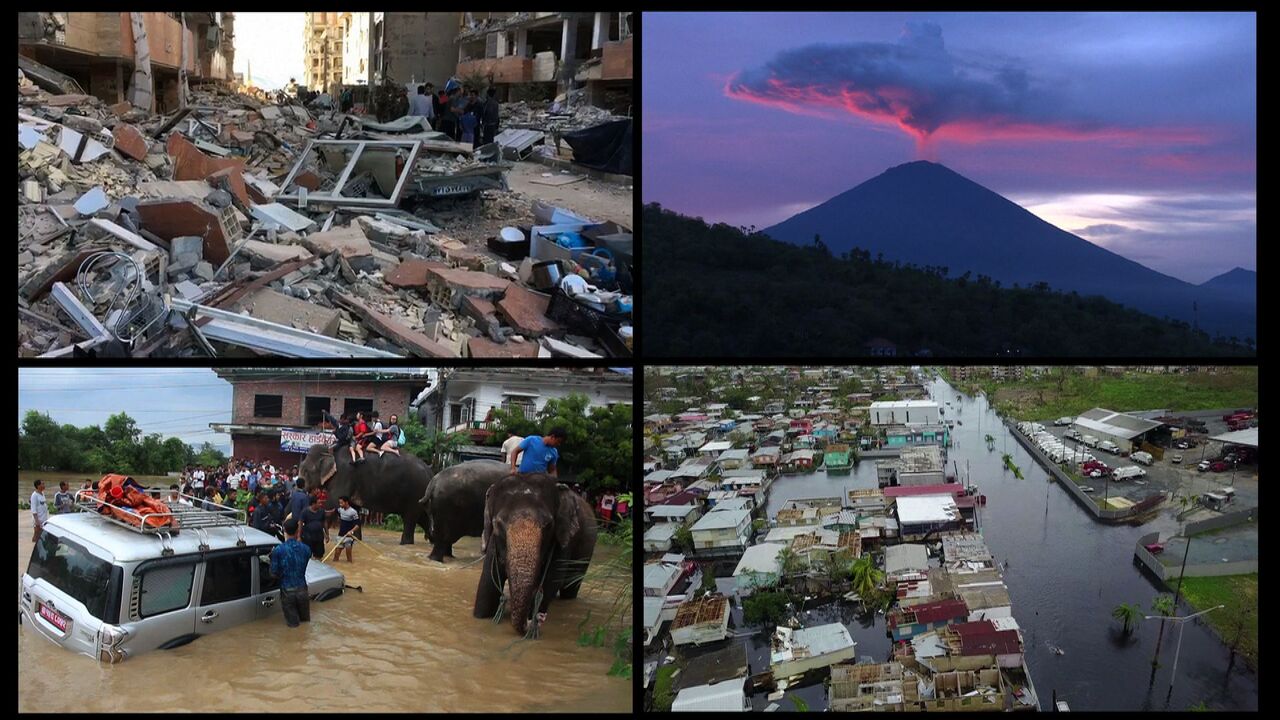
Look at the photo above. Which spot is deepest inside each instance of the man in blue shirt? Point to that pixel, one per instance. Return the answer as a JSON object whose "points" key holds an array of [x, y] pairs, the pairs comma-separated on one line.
{"points": [[540, 454], [289, 563], [298, 503]]}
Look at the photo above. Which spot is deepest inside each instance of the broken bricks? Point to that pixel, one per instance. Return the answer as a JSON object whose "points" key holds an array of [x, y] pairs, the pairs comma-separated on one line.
{"points": [[129, 141], [169, 218]]}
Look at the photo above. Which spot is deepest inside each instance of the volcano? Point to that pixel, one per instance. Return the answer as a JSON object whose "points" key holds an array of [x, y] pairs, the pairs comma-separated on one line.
{"points": [[926, 214]]}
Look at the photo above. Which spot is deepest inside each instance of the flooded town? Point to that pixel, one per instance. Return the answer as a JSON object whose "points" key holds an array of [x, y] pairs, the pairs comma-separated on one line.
{"points": [[955, 538], [370, 540]]}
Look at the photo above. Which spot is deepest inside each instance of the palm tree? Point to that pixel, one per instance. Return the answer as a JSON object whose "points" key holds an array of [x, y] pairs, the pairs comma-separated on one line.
{"points": [[866, 576], [834, 565], [1127, 614], [790, 562], [1162, 605]]}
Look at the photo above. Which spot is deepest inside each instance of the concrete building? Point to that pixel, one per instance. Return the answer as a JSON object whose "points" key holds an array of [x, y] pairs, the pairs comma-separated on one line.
{"points": [[795, 652], [553, 50], [657, 538], [266, 401], [758, 567], [413, 48], [356, 28], [464, 397], [323, 46], [734, 459], [920, 514], [1126, 431], [97, 50], [904, 412], [722, 529]]}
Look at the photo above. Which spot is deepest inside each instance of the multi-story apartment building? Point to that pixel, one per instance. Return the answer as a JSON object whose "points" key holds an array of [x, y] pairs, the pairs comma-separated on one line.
{"points": [[98, 51], [323, 44]]}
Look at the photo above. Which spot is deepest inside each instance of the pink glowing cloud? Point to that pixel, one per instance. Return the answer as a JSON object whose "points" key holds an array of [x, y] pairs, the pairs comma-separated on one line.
{"points": [[917, 87]]}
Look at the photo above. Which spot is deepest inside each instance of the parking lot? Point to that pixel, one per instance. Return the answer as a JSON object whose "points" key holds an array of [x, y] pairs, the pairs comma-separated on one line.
{"points": [[1177, 479]]}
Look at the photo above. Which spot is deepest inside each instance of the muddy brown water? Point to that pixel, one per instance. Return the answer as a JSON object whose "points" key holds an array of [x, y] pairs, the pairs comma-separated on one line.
{"points": [[408, 643]]}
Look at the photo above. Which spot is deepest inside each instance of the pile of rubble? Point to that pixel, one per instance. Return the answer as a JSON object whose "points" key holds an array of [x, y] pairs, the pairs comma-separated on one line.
{"points": [[234, 228], [565, 114]]}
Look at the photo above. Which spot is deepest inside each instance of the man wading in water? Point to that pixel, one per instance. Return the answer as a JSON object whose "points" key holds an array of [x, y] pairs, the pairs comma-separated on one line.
{"points": [[289, 563]]}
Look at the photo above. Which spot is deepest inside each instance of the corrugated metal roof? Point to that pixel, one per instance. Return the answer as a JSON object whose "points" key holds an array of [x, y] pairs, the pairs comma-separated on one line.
{"points": [[935, 611], [898, 558], [955, 489], [727, 696], [670, 510], [1240, 437], [927, 509], [720, 519], [659, 575], [652, 609], [760, 558], [662, 532], [518, 139], [1115, 423]]}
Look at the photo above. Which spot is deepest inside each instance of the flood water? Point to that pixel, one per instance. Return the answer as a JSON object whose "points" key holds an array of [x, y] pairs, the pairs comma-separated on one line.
{"points": [[408, 643], [1066, 573]]}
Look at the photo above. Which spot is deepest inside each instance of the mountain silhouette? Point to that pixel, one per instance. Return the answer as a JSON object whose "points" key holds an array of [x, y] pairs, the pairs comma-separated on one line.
{"points": [[926, 214]]}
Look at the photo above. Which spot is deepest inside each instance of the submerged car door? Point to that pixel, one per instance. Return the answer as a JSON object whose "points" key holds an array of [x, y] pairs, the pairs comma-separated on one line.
{"points": [[226, 590], [268, 592], [161, 612]]}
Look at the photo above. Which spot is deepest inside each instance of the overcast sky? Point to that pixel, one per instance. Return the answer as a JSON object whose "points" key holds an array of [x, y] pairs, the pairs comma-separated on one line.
{"points": [[1135, 131], [175, 402], [272, 42]]}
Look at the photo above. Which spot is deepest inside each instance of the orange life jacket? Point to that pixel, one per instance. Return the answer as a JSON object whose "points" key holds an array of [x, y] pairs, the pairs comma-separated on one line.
{"points": [[125, 492]]}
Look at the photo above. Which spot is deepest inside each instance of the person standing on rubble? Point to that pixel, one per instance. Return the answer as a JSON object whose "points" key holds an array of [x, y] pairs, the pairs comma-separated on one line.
{"points": [[420, 104], [348, 100], [489, 116]]}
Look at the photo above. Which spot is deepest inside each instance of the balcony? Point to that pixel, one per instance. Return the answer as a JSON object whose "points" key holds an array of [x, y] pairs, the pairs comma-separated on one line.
{"points": [[504, 70]]}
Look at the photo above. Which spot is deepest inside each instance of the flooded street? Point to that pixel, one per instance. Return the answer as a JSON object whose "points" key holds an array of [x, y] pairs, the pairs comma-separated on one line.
{"points": [[407, 643], [1066, 573]]}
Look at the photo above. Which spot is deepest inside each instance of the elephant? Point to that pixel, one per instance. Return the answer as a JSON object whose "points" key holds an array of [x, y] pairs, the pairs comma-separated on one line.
{"points": [[387, 484], [538, 535], [454, 503]]}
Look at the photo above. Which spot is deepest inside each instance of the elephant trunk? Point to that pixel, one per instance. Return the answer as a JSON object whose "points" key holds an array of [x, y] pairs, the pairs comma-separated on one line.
{"points": [[524, 545]]}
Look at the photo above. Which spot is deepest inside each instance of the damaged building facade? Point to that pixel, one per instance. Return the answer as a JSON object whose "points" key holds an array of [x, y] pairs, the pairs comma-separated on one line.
{"points": [[98, 50], [535, 55], [323, 45]]}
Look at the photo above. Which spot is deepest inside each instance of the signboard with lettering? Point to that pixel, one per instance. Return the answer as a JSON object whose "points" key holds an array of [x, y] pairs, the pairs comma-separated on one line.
{"points": [[300, 441]]}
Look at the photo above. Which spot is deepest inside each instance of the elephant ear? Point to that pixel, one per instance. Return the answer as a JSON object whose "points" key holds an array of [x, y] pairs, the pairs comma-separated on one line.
{"points": [[568, 519], [488, 526], [328, 468]]}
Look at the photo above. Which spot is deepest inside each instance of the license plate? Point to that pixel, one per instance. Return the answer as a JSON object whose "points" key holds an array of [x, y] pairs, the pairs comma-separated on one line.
{"points": [[452, 190], [58, 620]]}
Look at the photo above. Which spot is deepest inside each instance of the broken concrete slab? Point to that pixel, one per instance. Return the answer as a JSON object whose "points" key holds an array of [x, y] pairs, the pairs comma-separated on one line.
{"points": [[204, 270], [348, 241], [67, 100], [412, 273], [557, 347], [526, 311], [479, 309], [380, 231], [129, 141], [267, 304], [120, 108], [84, 124], [185, 252], [413, 341], [265, 254], [481, 347], [269, 112], [277, 216], [189, 163], [92, 201], [468, 282], [170, 218]]}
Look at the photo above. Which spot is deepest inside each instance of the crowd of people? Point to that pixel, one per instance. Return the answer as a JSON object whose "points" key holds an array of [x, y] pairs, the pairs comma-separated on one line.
{"points": [[458, 111]]}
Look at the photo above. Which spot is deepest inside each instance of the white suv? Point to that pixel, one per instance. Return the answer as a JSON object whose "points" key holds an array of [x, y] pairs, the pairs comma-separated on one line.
{"points": [[100, 587]]}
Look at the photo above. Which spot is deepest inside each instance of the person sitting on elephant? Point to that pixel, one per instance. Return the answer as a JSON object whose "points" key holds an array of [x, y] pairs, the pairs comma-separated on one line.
{"points": [[360, 437], [510, 447], [394, 436], [341, 433], [540, 454]]}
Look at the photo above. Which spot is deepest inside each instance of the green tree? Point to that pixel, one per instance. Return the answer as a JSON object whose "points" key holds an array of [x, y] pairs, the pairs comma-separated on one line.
{"points": [[682, 539], [765, 606], [790, 562], [1128, 615], [598, 449], [834, 566], [866, 576], [208, 456], [433, 447]]}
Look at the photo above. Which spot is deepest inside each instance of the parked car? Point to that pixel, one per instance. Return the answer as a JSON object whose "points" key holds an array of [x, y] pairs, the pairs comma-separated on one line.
{"points": [[100, 587], [1220, 466], [1176, 459], [1204, 465], [1142, 457], [1183, 445]]}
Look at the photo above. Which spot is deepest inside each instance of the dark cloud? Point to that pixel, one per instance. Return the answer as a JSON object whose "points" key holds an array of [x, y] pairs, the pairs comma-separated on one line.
{"points": [[1102, 229], [917, 84]]}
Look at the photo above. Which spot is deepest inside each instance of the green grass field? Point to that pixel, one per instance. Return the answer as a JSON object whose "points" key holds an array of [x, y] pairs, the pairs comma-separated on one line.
{"points": [[1240, 595], [51, 480], [1041, 400]]}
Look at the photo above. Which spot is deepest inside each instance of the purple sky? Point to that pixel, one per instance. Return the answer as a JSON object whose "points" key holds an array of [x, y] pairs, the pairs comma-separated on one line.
{"points": [[1135, 131]]}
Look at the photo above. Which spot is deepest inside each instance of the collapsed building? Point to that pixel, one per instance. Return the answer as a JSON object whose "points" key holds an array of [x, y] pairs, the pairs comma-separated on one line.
{"points": [[222, 225]]}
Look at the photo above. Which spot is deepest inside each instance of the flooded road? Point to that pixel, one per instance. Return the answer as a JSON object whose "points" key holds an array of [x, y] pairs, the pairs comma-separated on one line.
{"points": [[408, 643], [1066, 573]]}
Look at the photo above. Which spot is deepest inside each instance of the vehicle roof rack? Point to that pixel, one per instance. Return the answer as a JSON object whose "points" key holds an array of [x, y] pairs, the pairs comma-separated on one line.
{"points": [[193, 516]]}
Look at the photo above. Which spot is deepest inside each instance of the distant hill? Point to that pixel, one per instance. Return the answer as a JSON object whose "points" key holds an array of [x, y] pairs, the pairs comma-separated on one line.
{"points": [[1236, 285], [715, 291], [926, 214]]}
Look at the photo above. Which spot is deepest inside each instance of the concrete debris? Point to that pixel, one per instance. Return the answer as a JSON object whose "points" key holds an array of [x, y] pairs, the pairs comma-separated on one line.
{"points": [[186, 207]]}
